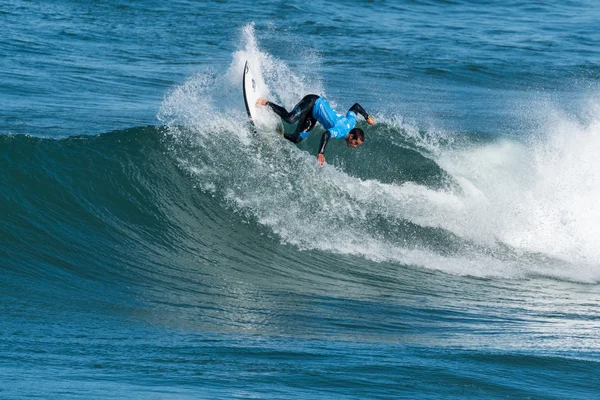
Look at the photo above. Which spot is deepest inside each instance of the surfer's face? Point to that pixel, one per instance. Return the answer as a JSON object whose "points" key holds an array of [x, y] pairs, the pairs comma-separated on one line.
{"points": [[353, 141]]}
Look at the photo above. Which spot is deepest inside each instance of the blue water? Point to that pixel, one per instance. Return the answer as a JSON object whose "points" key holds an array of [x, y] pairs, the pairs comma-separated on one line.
{"points": [[154, 245]]}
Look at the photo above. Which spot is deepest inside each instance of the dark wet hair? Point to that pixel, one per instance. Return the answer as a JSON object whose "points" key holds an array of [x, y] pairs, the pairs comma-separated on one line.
{"points": [[358, 133]]}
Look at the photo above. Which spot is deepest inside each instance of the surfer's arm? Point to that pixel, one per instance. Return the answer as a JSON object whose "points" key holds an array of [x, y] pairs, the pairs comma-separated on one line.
{"points": [[324, 139], [358, 109]]}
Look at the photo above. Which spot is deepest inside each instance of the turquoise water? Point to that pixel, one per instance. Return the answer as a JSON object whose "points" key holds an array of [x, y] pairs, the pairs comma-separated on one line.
{"points": [[154, 246]]}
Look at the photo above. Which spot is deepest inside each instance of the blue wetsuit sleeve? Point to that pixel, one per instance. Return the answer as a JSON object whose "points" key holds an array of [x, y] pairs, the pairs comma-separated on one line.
{"points": [[358, 109], [324, 139]]}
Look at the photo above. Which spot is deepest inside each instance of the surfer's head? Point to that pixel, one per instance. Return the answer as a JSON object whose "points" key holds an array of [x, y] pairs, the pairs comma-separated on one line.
{"points": [[355, 137]]}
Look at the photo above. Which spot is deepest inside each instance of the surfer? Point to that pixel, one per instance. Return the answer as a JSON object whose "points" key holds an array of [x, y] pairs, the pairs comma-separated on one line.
{"points": [[312, 109]]}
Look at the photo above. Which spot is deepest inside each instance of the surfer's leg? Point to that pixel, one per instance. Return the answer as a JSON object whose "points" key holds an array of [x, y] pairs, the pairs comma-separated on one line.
{"points": [[306, 124], [302, 114], [301, 110], [302, 130], [293, 137]]}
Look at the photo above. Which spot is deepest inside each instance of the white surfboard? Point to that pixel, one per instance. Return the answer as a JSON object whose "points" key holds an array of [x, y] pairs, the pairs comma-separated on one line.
{"points": [[260, 117], [251, 93]]}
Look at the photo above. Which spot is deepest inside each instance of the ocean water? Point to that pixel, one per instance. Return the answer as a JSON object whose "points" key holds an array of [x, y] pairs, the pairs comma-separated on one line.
{"points": [[154, 246]]}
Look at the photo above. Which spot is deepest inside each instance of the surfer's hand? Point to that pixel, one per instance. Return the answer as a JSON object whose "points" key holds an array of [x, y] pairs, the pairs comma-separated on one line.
{"points": [[261, 102], [371, 120], [321, 159]]}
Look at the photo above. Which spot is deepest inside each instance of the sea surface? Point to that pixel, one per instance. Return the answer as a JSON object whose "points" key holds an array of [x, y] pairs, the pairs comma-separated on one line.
{"points": [[154, 245]]}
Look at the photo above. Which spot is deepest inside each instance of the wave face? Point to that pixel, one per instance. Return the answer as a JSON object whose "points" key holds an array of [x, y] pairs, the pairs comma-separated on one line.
{"points": [[453, 255], [220, 239], [178, 231]]}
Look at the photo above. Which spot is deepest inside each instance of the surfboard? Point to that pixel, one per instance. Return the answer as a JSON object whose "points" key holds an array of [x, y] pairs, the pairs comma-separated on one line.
{"points": [[260, 117], [251, 93]]}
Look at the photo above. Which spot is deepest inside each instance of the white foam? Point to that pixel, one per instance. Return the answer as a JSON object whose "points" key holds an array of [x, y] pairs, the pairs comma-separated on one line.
{"points": [[541, 195]]}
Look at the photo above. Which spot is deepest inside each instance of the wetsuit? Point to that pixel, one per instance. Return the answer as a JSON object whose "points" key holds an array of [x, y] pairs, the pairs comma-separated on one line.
{"points": [[312, 109]]}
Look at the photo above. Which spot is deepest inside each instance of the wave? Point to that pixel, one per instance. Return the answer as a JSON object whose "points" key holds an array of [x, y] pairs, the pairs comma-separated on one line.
{"points": [[493, 207], [498, 207]]}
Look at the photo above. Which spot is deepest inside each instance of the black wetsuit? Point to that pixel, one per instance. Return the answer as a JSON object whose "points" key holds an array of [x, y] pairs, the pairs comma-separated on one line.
{"points": [[302, 114], [306, 116]]}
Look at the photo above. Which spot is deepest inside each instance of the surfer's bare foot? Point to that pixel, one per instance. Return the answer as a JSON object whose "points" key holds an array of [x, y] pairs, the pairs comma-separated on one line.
{"points": [[261, 102]]}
